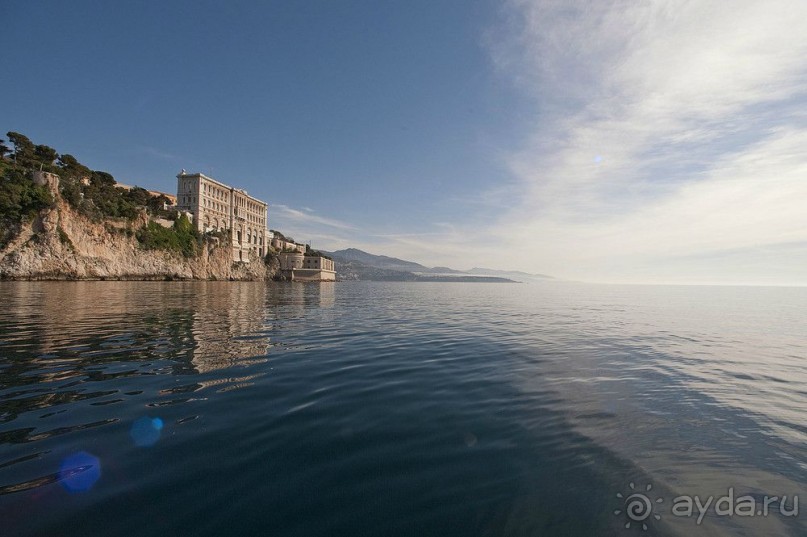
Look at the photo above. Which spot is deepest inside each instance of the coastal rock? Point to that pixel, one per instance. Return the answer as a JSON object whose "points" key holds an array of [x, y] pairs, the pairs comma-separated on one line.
{"points": [[61, 244]]}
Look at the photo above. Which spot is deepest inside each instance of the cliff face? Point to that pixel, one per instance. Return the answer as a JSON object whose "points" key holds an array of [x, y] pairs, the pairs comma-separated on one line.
{"points": [[61, 244]]}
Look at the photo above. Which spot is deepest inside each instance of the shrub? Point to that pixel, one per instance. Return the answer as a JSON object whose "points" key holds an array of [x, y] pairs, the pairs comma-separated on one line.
{"points": [[181, 238], [20, 198]]}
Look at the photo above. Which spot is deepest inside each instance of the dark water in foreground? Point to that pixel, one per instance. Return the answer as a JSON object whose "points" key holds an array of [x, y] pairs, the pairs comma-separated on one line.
{"points": [[398, 409]]}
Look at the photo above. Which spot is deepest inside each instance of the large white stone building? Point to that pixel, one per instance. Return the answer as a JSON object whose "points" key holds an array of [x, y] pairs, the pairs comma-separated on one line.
{"points": [[219, 207]]}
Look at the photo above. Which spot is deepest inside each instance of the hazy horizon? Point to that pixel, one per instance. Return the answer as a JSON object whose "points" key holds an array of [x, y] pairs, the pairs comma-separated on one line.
{"points": [[618, 142]]}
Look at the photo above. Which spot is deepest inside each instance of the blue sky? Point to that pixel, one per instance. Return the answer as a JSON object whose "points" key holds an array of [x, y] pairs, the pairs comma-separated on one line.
{"points": [[609, 141]]}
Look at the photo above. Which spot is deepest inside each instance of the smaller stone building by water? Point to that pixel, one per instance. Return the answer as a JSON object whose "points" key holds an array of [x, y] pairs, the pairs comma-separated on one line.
{"points": [[297, 266]]}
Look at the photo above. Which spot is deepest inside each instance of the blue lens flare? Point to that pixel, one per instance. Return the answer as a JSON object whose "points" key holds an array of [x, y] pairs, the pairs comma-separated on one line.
{"points": [[79, 472], [146, 431]]}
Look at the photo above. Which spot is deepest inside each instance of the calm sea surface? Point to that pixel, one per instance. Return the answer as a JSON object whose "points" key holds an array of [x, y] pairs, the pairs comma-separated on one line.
{"points": [[361, 408]]}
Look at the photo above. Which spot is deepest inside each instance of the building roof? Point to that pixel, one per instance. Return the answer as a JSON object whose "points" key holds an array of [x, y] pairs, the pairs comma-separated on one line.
{"points": [[183, 173]]}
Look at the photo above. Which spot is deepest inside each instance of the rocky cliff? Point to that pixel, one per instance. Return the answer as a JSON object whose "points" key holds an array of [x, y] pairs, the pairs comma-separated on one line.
{"points": [[61, 244]]}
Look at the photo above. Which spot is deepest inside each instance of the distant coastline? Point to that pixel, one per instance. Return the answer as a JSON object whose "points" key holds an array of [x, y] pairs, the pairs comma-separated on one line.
{"points": [[355, 264]]}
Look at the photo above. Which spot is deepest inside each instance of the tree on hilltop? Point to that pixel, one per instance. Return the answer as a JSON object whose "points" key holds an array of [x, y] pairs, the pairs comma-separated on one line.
{"points": [[71, 167], [29, 155], [157, 204], [102, 179], [23, 147], [45, 154], [139, 196]]}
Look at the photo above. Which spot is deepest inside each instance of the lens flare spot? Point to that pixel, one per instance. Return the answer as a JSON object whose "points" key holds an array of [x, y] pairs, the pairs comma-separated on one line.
{"points": [[79, 472], [146, 431], [597, 159]]}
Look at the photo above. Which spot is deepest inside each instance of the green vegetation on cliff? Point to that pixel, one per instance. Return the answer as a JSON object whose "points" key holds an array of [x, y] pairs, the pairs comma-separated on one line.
{"points": [[181, 238], [85, 226], [20, 198], [97, 197], [92, 193]]}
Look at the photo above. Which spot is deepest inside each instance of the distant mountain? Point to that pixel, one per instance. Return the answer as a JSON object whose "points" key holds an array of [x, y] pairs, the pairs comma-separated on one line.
{"points": [[378, 261], [515, 274], [445, 270], [354, 270], [355, 264]]}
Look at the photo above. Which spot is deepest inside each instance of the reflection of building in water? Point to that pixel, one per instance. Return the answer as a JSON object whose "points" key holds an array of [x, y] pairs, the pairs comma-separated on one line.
{"points": [[229, 325], [80, 318], [325, 292], [295, 298], [198, 326], [207, 325]]}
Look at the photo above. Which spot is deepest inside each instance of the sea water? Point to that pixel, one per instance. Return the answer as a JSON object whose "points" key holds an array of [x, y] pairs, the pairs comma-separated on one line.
{"points": [[364, 408]]}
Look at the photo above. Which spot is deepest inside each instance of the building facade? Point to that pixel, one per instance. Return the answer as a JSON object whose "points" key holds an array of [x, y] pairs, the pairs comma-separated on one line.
{"points": [[219, 207], [284, 246], [299, 267]]}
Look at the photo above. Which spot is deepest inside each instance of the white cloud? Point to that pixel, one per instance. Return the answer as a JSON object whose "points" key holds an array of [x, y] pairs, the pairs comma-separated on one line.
{"points": [[305, 225], [158, 153], [288, 215], [664, 131], [667, 144]]}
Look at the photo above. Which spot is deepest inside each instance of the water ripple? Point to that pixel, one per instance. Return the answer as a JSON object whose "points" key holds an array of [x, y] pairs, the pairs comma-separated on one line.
{"points": [[359, 408]]}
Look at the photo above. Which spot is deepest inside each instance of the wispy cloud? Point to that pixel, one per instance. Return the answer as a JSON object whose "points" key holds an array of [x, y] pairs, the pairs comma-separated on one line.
{"points": [[287, 214], [665, 142], [306, 225], [663, 130], [153, 152], [446, 244]]}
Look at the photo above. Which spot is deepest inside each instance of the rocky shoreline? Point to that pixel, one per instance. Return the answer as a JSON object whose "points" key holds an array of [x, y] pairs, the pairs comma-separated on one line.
{"points": [[61, 244]]}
